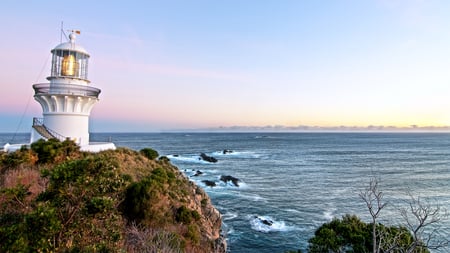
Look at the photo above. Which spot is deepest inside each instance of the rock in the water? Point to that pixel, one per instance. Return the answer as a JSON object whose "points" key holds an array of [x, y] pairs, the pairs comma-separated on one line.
{"points": [[209, 183], [198, 173], [228, 178], [264, 221], [207, 158], [227, 151]]}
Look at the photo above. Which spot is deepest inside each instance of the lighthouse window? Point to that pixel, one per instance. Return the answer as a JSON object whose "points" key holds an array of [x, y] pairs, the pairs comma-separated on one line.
{"points": [[68, 63]]}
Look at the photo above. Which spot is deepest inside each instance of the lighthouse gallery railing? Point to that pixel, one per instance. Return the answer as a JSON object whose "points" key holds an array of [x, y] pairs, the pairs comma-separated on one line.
{"points": [[65, 89]]}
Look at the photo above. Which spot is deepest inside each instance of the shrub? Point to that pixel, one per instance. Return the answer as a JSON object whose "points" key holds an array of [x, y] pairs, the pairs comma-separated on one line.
{"points": [[185, 215], [32, 232], [99, 205], [164, 159], [350, 234], [193, 233], [53, 150], [22, 156], [137, 201], [149, 153]]}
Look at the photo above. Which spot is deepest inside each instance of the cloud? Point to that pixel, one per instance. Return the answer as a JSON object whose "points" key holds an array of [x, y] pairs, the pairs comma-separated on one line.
{"points": [[306, 128]]}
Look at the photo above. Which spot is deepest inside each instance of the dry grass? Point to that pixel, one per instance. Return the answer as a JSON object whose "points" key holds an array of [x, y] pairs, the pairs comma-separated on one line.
{"points": [[144, 239], [28, 177]]}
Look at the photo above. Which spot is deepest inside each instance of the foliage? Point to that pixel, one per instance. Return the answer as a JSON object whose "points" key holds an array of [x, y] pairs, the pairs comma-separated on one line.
{"points": [[136, 204], [185, 215], [53, 150], [149, 153], [85, 202], [350, 234], [341, 234], [22, 156], [31, 232], [144, 239], [139, 195], [193, 233], [77, 208]]}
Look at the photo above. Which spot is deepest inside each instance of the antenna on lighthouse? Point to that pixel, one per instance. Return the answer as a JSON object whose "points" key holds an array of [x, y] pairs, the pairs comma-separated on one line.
{"points": [[62, 32]]}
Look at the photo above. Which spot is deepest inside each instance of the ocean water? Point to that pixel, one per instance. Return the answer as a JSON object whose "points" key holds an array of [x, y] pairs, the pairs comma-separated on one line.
{"points": [[292, 183]]}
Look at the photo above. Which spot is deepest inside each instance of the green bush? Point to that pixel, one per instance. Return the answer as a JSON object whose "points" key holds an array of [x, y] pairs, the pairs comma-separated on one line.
{"points": [[53, 150], [32, 232], [99, 205], [137, 200], [22, 156], [350, 234], [149, 153], [185, 215], [193, 233]]}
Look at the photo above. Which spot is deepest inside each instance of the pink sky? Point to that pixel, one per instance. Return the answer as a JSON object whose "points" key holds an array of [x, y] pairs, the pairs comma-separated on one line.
{"points": [[185, 66]]}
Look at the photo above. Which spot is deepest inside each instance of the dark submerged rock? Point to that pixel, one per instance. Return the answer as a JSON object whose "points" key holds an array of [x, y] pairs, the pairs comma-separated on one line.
{"points": [[227, 151]]}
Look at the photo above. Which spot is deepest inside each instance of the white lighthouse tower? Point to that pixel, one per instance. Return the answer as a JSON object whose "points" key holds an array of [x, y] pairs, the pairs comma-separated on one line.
{"points": [[68, 98]]}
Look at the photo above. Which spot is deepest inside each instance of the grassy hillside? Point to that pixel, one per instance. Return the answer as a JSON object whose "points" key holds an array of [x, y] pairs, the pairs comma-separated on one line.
{"points": [[55, 198]]}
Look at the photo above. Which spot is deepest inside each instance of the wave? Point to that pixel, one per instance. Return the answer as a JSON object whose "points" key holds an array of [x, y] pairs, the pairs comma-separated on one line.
{"points": [[219, 184], [230, 215], [266, 224], [188, 159], [237, 154], [328, 214]]}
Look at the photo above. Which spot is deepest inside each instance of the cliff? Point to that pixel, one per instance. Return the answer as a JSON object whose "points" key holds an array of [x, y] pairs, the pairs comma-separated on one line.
{"points": [[55, 198]]}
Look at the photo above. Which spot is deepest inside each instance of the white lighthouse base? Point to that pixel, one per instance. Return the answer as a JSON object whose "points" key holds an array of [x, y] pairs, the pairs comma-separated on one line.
{"points": [[91, 147], [98, 146], [13, 147]]}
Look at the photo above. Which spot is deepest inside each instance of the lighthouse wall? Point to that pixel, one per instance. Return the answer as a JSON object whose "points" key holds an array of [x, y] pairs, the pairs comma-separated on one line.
{"points": [[72, 126]]}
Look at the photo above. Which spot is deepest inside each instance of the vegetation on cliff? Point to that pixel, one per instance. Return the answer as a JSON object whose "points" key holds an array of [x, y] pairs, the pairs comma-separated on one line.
{"points": [[55, 198]]}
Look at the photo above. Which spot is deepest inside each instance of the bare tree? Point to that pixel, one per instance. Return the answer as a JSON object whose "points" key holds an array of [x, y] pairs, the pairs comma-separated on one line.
{"points": [[373, 198], [423, 221]]}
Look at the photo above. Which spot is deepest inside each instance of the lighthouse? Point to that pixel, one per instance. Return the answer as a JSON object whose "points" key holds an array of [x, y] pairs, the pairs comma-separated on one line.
{"points": [[67, 99]]}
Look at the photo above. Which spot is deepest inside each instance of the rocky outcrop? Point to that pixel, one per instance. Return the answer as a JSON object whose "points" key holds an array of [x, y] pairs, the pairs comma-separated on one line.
{"points": [[264, 221], [211, 219], [198, 173], [209, 183], [232, 179], [207, 158]]}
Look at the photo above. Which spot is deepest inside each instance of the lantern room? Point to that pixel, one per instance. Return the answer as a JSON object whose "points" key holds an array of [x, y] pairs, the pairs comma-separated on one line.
{"points": [[70, 61]]}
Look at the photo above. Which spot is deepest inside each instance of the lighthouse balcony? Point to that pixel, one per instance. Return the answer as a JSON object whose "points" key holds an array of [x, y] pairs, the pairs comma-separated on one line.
{"points": [[65, 89]]}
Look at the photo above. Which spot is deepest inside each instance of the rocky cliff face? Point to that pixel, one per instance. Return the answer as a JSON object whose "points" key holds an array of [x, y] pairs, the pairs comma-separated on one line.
{"points": [[116, 201], [211, 219]]}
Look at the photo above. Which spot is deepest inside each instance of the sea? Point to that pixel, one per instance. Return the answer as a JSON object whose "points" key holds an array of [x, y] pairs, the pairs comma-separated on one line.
{"points": [[289, 184]]}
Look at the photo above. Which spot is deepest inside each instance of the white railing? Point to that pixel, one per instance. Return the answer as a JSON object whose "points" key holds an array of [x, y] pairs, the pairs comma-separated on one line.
{"points": [[65, 89]]}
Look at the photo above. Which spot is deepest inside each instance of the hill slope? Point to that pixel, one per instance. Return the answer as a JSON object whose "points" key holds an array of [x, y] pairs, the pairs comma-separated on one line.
{"points": [[55, 198]]}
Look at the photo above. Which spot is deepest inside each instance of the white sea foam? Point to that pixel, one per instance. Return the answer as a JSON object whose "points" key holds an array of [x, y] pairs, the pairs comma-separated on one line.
{"points": [[229, 216], [328, 214], [188, 159], [253, 197], [266, 224], [238, 154]]}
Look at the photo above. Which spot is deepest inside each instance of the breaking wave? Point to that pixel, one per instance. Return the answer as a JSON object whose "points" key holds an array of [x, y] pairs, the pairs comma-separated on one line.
{"points": [[266, 224]]}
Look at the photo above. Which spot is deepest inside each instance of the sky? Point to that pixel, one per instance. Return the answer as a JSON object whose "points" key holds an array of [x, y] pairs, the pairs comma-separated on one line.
{"points": [[176, 65]]}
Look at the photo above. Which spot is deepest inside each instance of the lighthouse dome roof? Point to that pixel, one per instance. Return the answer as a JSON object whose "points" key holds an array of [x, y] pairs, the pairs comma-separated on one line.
{"points": [[71, 47]]}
